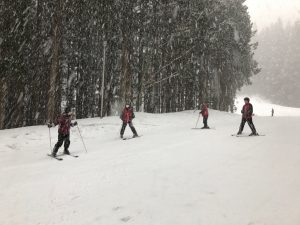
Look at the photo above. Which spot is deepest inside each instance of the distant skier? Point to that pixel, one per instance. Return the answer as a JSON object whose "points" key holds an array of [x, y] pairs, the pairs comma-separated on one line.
{"points": [[204, 113], [127, 116], [272, 112], [247, 113], [64, 122]]}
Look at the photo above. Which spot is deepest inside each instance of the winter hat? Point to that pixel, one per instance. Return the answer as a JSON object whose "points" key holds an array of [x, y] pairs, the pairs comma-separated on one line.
{"points": [[247, 99]]}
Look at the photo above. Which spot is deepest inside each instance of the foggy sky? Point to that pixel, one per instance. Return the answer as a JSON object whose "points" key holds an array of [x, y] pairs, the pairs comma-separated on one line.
{"points": [[265, 12]]}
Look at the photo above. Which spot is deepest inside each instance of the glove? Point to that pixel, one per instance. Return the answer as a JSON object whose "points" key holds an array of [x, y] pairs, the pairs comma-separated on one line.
{"points": [[75, 123], [49, 125]]}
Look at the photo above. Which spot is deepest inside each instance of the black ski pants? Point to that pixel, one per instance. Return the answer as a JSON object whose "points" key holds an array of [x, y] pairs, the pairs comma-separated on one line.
{"points": [[205, 121], [62, 138], [131, 127], [250, 123]]}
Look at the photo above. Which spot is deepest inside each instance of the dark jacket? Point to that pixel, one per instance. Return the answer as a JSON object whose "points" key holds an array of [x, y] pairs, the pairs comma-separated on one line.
{"points": [[64, 123], [127, 115], [247, 111]]}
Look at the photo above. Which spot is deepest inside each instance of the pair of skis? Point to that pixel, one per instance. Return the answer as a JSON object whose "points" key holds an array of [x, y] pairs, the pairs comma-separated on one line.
{"points": [[59, 158], [128, 138], [244, 135], [202, 128], [234, 135]]}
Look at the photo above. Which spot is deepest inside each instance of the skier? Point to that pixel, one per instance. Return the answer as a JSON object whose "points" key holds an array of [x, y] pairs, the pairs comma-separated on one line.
{"points": [[204, 113], [127, 116], [64, 122], [247, 113], [272, 112]]}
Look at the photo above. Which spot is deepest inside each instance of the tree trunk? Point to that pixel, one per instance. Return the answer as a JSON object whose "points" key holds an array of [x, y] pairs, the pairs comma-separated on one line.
{"points": [[3, 89], [126, 90], [54, 72]]}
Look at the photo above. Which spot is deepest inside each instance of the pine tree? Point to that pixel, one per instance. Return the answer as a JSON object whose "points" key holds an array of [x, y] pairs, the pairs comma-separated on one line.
{"points": [[162, 56]]}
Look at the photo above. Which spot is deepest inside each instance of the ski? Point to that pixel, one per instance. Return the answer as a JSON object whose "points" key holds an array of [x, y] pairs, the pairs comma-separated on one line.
{"points": [[71, 155], [128, 138], [238, 135], [57, 158], [74, 156], [196, 128]]}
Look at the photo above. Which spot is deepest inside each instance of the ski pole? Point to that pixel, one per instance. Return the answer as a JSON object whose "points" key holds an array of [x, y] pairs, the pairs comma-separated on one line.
{"points": [[50, 139], [195, 109], [81, 138], [197, 121]]}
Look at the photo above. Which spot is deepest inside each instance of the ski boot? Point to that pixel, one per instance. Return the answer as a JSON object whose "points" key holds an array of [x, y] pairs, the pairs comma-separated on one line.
{"points": [[54, 151], [66, 152], [135, 135], [205, 127]]}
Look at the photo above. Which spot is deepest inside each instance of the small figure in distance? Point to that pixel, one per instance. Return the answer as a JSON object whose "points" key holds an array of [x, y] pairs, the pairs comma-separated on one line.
{"points": [[204, 113], [127, 116], [247, 113]]}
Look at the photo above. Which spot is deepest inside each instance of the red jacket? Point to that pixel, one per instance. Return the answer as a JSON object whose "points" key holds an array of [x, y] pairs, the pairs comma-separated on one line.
{"points": [[127, 115], [204, 111], [247, 111], [64, 123]]}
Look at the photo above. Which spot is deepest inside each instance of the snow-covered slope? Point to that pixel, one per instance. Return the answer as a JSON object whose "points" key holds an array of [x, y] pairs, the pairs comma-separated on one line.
{"points": [[172, 175], [263, 107]]}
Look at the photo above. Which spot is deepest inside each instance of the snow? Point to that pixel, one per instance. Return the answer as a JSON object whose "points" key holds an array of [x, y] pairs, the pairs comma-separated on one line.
{"points": [[47, 46], [172, 175], [137, 9], [175, 11], [236, 35]]}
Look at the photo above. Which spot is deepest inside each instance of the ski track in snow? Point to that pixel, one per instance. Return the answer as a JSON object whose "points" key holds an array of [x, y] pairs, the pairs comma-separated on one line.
{"points": [[172, 175]]}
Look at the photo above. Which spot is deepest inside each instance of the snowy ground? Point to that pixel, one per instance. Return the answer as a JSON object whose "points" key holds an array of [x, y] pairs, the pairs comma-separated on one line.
{"points": [[172, 175]]}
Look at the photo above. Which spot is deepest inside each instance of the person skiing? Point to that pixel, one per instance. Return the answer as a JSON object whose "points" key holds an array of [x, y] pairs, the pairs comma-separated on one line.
{"points": [[64, 122], [247, 113], [204, 113], [272, 112], [127, 116]]}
